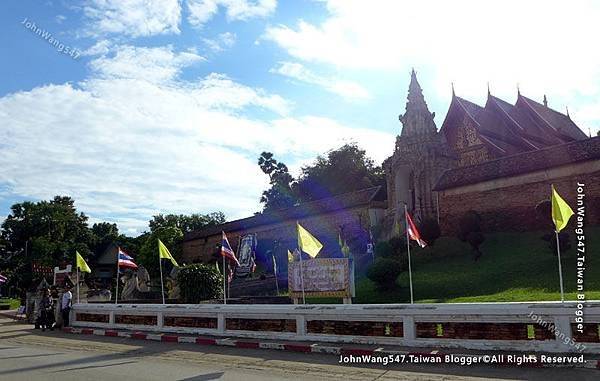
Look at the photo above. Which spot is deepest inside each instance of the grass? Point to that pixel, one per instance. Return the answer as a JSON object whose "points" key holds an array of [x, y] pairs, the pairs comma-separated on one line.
{"points": [[514, 267], [13, 303]]}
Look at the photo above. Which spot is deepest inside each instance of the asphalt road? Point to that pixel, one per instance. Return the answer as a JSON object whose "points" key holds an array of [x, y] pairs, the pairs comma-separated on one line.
{"points": [[27, 354]]}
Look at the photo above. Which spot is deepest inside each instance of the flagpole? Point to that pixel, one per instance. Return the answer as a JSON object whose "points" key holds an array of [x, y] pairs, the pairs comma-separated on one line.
{"points": [[117, 290], [162, 286], [408, 251], [228, 280], [302, 279], [301, 267], [275, 273], [224, 275], [562, 292], [77, 271]]}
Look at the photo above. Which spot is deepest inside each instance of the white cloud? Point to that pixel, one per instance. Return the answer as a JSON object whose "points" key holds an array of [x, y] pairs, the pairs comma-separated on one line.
{"points": [[201, 11], [101, 47], [222, 42], [127, 146], [151, 64], [546, 46], [220, 92], [344, 88], [133, 18], [588, 115], [60, 18]]}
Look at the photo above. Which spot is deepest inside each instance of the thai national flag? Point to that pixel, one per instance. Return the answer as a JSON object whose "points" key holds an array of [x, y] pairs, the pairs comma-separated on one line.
{"points": [[226, 250], [413, 233], [125, 259], [3, 278]]}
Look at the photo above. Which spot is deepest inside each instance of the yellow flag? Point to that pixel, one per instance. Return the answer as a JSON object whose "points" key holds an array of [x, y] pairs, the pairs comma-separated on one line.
{"points": [[309, 244], [397, 228], [164, 253], [290, 257], [346, 250], [81, 265], [561, 211]]}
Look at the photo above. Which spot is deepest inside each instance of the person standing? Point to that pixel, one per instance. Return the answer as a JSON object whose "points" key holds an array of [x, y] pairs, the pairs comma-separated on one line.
{"points": [[65, 305], [47, 311]]}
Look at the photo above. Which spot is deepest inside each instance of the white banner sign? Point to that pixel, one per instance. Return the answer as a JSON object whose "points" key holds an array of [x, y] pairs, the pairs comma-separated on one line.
{"points": [[322, 277]]}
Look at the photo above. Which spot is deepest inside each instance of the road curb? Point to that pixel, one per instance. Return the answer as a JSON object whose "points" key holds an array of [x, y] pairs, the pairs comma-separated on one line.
{"points": [[304, 348]]}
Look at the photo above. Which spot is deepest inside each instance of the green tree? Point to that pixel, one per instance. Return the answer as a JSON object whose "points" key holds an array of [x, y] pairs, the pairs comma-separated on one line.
{"points": [[170, 229], [103, 234], [186, 223], [148, 253], [46, 231], [280, 194], [343, 170]]}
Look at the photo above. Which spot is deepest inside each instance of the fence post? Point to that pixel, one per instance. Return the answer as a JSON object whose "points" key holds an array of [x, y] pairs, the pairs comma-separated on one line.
{"points": [[160, 319], [300, 325], [221, 322], [563, 332], [408, 328]]}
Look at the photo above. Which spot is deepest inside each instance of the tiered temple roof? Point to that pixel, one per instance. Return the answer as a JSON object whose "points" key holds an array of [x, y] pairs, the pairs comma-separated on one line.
{"points": [[508, 129], [519, 164]]}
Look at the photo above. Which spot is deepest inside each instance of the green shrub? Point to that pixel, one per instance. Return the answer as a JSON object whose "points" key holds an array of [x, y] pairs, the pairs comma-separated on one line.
{"points": [[470, 231], [383, 249], [390, 249], [199, 282], [430, 231], [384, 271]]}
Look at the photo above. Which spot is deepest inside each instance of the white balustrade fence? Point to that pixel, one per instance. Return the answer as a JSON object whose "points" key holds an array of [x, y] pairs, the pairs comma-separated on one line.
{"points": [[491, 326]]}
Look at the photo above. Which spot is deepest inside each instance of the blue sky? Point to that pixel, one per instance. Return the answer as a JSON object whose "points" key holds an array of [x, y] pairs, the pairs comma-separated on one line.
{"points": [[164, 106]]}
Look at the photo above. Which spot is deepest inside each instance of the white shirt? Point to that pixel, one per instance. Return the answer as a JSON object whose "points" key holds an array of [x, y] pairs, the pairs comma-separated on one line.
{"points": [[66, 300]]}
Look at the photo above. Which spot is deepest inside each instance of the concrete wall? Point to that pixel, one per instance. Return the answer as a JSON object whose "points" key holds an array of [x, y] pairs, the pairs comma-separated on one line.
{"points": [[489, 326]]}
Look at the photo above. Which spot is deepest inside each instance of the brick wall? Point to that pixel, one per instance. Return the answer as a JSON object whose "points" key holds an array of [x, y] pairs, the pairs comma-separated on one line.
{"points": [[355, 328], [96, 318], [591, 333], [190, 322], [481, 331], [270, 325], [324, 227], [136, 319], [513, 207]]}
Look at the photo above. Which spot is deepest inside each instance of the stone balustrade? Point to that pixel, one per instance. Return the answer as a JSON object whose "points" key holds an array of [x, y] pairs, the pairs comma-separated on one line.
{"points": [[530, 326]]}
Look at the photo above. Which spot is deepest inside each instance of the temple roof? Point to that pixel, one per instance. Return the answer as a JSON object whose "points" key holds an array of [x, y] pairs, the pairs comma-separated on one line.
{"points": [[367, 196], [509, 129], [550, 157]]}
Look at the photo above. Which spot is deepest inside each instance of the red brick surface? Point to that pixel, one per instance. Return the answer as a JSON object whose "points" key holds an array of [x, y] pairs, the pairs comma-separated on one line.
{"points": [[192, 322], [96, 318], [357, 328], [482, 331], [589, 335], [513, 208], [136, 319], [272, 325]]}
